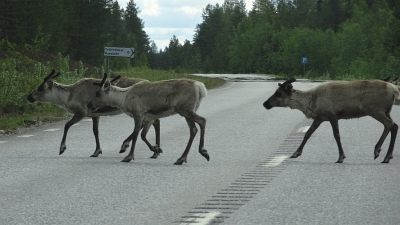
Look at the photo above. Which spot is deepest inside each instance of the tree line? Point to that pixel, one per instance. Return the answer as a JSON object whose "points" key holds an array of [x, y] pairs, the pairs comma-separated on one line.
{"points": [[340, 38]]}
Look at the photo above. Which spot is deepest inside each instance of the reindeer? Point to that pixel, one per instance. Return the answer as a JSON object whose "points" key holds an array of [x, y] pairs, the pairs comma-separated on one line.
{"points": [[74, 99], [337, 100], [147, 101]]}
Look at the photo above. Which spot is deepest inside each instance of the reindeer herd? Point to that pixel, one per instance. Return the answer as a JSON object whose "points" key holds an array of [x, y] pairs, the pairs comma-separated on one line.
{"points": [[146, 102]]}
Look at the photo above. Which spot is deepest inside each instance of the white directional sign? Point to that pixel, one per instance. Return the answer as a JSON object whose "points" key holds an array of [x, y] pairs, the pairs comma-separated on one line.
{"points": [[118, 52]]}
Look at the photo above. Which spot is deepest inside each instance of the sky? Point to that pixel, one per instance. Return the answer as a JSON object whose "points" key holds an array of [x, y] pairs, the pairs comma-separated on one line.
{"points": [[164, 18]]}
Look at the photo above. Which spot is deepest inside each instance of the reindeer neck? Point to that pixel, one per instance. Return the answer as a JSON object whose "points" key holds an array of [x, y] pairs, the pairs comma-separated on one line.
{"points": [[116, 96], [302, 101], [61, 94]]}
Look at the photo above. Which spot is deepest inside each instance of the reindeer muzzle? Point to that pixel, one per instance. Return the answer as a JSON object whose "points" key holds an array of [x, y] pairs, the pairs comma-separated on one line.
{"points": [[267, 105], [30, 98]]}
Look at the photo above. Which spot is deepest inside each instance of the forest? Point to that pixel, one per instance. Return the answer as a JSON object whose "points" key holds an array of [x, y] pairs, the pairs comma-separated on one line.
{"points": [[341, 39]]}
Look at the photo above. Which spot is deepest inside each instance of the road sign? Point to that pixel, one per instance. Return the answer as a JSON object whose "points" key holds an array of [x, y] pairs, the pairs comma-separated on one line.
{"points": [[304, 60], [118, 52]]}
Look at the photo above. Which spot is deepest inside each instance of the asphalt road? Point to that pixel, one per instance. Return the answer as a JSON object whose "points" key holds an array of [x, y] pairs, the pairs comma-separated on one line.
{"points": [[248, 180]]}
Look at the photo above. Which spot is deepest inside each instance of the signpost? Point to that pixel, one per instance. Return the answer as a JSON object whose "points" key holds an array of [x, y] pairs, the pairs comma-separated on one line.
{"points": [[118, 52], [304, 60]]}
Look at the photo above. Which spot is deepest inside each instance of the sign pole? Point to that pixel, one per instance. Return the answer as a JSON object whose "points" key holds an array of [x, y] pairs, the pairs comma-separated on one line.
{"points": [[108, 65], [129, 65], [304, 60]]}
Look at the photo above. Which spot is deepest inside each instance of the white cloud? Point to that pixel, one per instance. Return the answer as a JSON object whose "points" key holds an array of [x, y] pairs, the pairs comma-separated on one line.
{"points": [[189, 11], [149, 7], [164, 18]]}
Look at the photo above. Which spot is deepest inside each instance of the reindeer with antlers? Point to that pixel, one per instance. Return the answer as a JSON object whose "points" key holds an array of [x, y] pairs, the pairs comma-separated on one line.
{"points": [[148, 101], [332, 101], [74, 99]]}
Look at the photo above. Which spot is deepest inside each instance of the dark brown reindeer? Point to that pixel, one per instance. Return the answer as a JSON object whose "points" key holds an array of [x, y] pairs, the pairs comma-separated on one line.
{"points": [[148, 101], [74, 99], [332, 101]]}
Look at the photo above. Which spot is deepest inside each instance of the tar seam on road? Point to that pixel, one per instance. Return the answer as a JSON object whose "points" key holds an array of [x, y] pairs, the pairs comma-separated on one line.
{"points": [[228, 200]]}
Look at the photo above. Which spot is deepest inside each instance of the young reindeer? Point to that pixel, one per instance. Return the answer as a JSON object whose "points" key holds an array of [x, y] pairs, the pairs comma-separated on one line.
{"points": [[332, 101], [74, 99], [147, 101]]}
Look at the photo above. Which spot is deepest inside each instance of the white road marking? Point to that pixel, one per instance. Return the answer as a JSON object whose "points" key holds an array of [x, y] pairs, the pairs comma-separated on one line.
{"points": [[1, 142], [26, 136], [201, 218], [276, 161], [49, 130], [87, 120], [76, 124], [303, 129]]}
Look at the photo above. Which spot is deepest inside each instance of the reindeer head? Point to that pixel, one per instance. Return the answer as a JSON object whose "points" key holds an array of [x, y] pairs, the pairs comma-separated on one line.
{"points": [[281, 95], [43, 92], [104, 89]]}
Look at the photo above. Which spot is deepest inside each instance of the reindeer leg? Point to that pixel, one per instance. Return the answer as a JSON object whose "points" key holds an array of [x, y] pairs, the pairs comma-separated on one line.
{"points": [[138, 127], [146, 128], [193, 131], [335, 127], [157, 125], [388, 126], [393, 134], [202, 124], [76, 118], [125, 144], [308, 134], [96, 136]]}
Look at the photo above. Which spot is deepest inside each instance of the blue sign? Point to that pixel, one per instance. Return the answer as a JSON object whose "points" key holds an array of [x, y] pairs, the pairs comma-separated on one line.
{"points": [[304, 60]]}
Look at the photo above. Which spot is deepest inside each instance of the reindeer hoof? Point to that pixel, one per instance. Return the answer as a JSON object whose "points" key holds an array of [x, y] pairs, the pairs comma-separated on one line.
{"points": [[205, 154], [154, 156], [62, 149], [180, 161], [339, 161], [387, 159], [295, 155], [97, 153], [157, 149], [376, 153], [124, 147], [126, 159]]}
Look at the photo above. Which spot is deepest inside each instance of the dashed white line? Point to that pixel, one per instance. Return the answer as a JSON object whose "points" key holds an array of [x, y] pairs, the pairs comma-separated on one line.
{"points": [[49, 130], [201, 218], [87, 120], [1, 142], [25, 136], [303, 129], [276, 161]]}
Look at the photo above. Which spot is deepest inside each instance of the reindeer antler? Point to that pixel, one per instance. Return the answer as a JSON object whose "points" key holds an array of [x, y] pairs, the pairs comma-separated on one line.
{"points": [[115, 79], [102, 81], [289, 81], [50, 75]]}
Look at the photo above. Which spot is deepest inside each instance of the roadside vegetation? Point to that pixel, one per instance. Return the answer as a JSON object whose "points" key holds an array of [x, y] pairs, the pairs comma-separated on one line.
{"points": [[21, 74]]}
